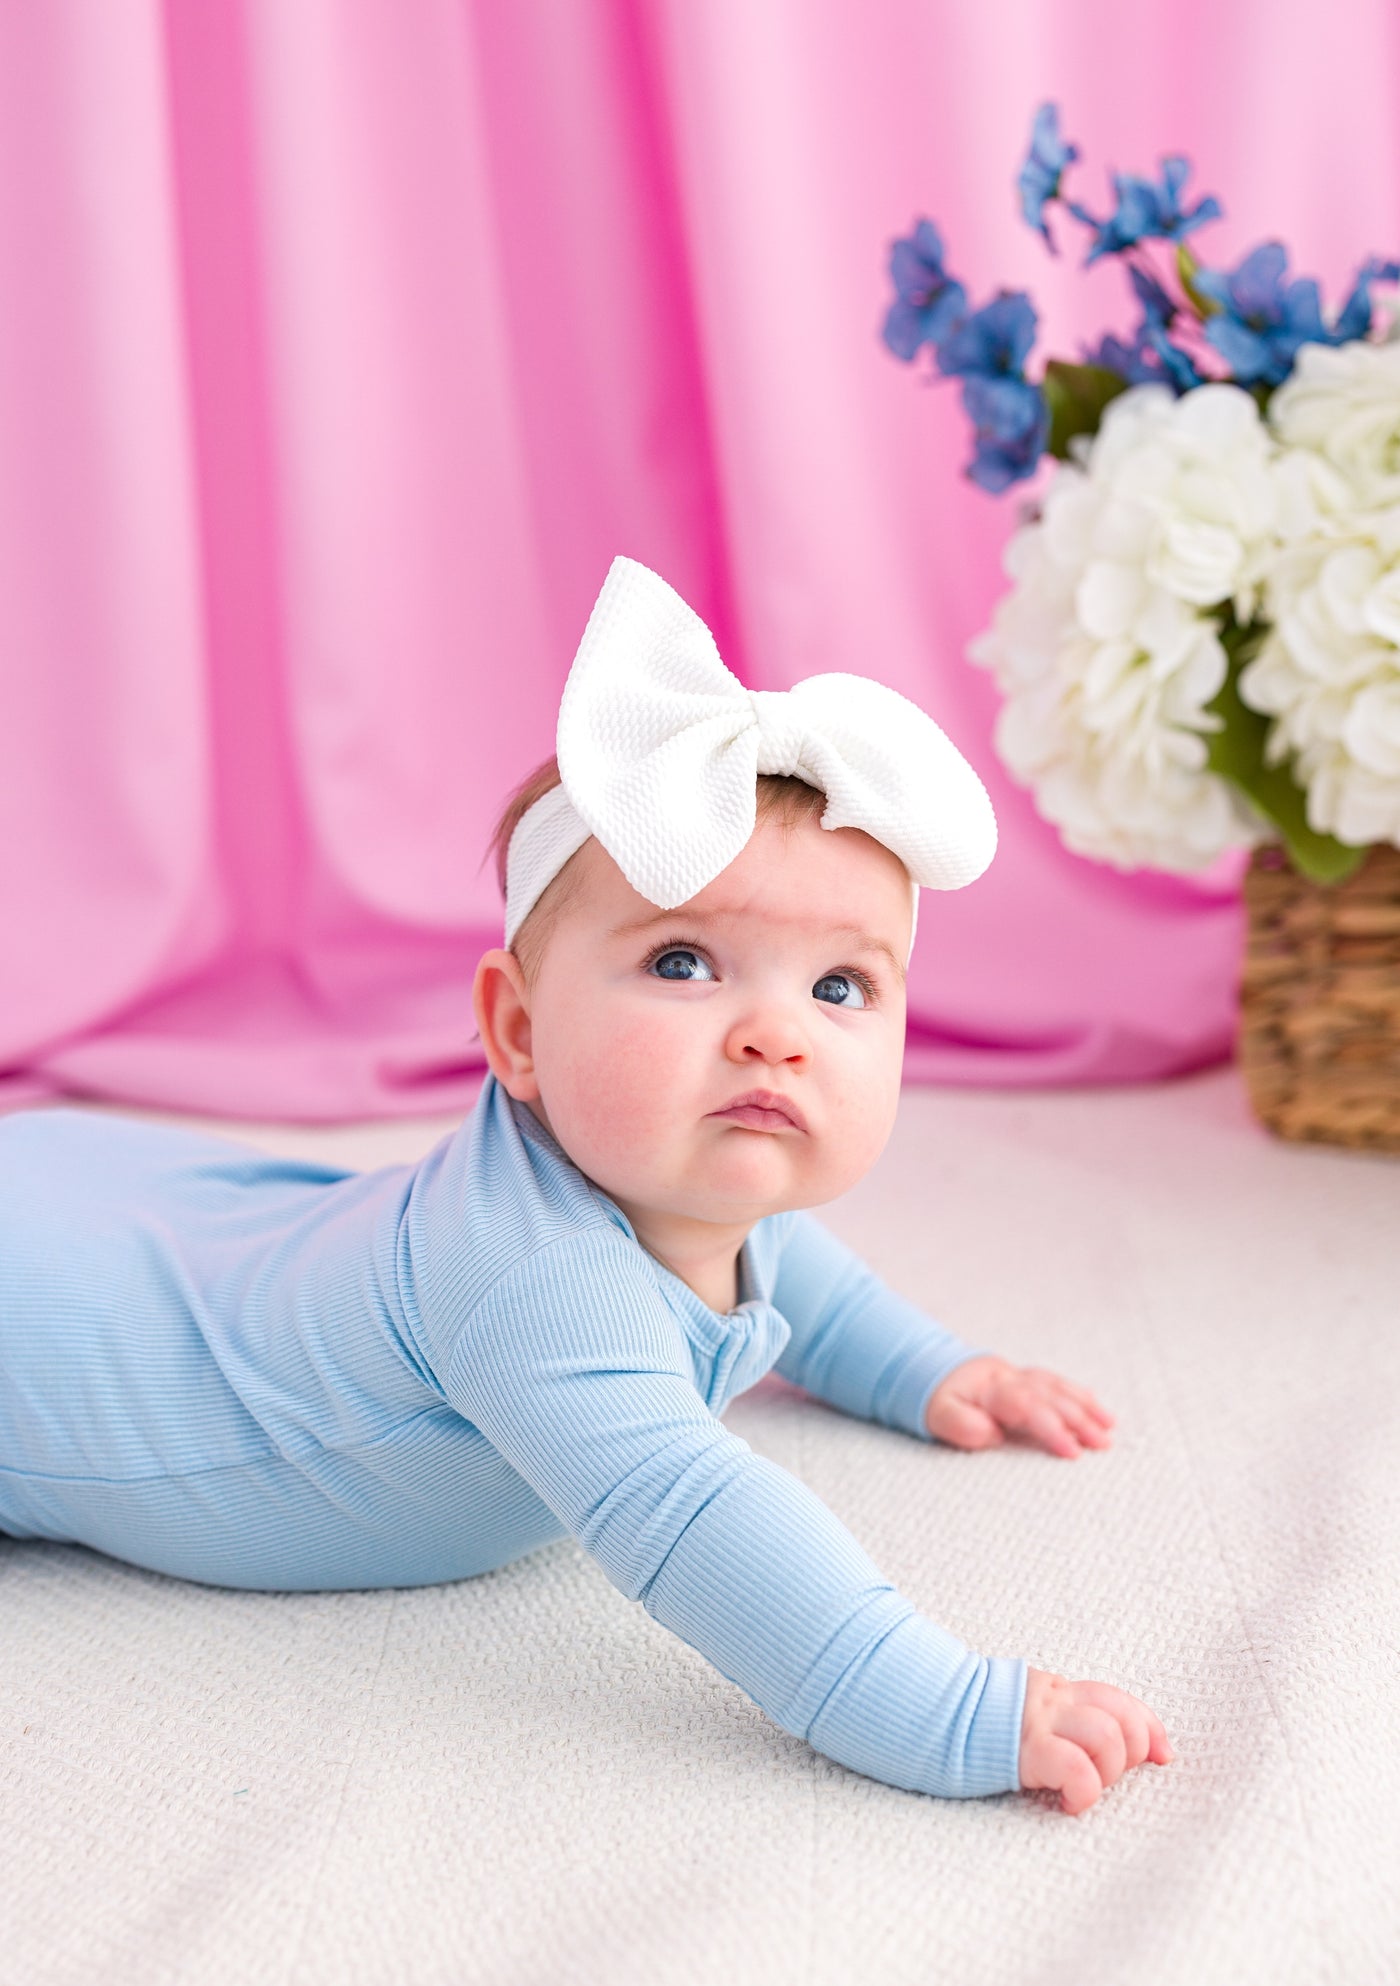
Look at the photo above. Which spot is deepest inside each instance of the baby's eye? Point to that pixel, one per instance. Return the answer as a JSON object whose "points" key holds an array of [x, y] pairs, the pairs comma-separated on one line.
{"points": [[840, 990], [680, 964]]}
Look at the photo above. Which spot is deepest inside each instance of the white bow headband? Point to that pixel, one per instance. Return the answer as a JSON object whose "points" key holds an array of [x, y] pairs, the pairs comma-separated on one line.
{"points": [[660, 747]]}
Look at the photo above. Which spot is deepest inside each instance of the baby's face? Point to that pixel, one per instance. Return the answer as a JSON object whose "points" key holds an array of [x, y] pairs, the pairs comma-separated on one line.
{"points": [[782, 980]]}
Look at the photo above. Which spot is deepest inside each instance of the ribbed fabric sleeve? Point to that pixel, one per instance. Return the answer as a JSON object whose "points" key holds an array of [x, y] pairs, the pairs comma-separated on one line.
{"points": [[855, 1342], [575, 1369]]}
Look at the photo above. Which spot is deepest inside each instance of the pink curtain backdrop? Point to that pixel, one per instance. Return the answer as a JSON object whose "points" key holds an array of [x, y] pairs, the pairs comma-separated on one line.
{"points": [[344, 343]]}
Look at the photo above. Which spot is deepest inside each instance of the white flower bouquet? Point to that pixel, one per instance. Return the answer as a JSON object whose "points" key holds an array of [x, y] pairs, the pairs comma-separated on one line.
{"points": [[1201, 646]]}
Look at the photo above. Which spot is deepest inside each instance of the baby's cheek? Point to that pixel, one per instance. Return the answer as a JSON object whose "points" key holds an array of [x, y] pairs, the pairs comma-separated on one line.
{"points": [[621, 1093], [864, 1109]]}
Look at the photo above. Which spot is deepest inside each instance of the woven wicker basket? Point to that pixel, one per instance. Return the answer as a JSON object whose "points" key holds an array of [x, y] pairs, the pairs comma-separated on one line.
{"points": [[1319, 1041]]}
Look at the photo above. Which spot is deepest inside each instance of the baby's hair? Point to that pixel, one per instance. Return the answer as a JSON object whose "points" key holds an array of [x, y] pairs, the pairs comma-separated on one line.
{"points": [[792, 800]]}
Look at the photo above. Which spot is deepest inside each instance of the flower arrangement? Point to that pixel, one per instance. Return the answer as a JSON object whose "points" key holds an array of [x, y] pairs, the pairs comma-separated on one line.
{"points": [[1201, 645]]}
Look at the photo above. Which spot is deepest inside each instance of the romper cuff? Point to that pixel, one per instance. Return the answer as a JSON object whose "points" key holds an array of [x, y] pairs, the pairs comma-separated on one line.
{"points": [[924, 1373], [992, 1759]]}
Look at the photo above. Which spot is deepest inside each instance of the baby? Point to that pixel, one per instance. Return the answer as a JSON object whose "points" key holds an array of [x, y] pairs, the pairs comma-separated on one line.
{"points": [[266, 1373]]}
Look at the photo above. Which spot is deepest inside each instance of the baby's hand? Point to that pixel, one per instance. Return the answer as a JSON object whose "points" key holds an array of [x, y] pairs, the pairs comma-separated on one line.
{"points": [[985, 1399], [1080, 1738]]}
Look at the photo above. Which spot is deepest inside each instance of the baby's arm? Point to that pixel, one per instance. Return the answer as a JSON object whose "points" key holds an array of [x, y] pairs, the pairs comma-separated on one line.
{"points": [[575, 1370], [577, 1373], [855, 1342], [860, 1346]]}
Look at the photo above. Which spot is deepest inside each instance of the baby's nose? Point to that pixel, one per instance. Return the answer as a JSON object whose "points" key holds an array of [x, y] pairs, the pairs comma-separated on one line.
{"points": [[769, 1035]]}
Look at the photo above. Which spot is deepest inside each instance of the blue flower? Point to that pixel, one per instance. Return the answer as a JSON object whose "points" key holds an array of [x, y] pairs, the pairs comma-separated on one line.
{"points": [[1132, 362], [1039, 177], [1354, 318], [1167, 362], [929, 302], [995, 340], [1179, 369], [1010, 416], [1011, 420], [1261, 323], [1147, 210], [1157, 307], [1151, 360]]}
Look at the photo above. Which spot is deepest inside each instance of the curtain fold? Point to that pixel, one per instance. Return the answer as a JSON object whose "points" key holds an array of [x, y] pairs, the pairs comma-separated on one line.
{"points": [[345, 343]]}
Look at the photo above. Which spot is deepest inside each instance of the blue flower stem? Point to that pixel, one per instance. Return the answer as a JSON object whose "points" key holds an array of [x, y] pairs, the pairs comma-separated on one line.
{"points": [[1193, 320], [1188, 327]]}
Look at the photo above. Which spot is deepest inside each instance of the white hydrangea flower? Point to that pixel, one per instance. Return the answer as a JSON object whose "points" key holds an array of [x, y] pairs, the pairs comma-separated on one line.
{"points": [[1329, 672], [1337, 416], [1105, 649]]}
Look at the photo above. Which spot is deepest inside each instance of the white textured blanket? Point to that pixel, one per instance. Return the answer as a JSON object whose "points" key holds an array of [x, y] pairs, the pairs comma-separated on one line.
{"points": [[521, 1778]]}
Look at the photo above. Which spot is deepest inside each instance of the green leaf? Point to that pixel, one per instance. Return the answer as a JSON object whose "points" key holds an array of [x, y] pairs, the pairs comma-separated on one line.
{"points": [[1187, 267], [1237, 755], [1076, 396]]}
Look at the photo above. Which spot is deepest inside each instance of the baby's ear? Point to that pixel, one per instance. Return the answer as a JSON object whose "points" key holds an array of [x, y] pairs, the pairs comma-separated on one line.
{"points": [[501, 1002]]}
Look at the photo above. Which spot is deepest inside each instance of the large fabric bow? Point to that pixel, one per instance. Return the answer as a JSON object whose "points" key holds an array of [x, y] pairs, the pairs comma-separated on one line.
{"points": [[659, 748]]}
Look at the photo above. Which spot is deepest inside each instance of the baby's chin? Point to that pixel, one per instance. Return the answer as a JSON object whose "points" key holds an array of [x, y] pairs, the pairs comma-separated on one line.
{"points": [[744, 1184]]}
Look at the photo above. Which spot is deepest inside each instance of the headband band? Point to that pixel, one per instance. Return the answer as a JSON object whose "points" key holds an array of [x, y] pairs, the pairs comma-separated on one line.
{"points": [[660, 748]]}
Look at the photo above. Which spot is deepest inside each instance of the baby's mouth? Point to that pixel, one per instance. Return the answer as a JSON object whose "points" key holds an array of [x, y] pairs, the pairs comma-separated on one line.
{"points": [[763, 1110]]}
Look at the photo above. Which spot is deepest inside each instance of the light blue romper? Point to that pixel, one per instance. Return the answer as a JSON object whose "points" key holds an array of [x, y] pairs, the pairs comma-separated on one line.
{"points": [[262, 1372]]}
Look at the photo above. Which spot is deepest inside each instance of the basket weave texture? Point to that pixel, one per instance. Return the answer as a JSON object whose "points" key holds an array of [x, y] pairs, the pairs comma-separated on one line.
{"points": [[1319, 1040]]}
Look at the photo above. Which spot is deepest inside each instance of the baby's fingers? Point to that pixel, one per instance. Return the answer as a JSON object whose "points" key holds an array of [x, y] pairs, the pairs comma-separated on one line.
{"points": [[1143, 1729], [1161, 1750], [1078, 1424], [1089, 1402], [1100, 1734], [1043, 1423], [1069, 1771], [964, 1425]]}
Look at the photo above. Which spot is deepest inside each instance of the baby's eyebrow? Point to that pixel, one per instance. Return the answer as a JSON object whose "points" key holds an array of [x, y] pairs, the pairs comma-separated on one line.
{"points": [[865, 943], [862, 940], [636, 924]]}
